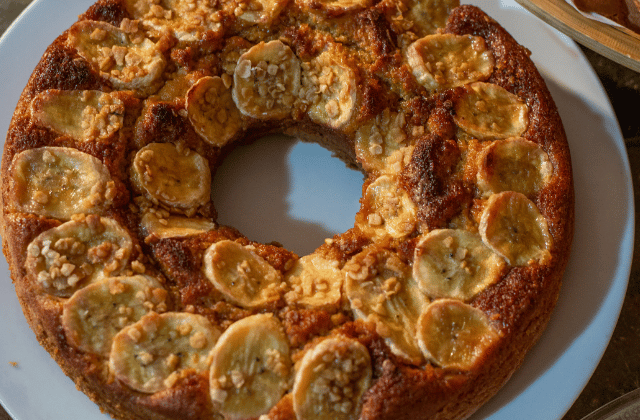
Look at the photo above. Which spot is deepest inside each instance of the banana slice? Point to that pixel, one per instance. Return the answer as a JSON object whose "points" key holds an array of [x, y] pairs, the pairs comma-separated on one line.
{"points": [[266, 81], [379, 138], [250, 367], [152, 354], [76, 253], [179, 178], [59, 182], [84, 115], [177, 86], [381, 290], [334, 88], [451, 263], [455, 335], [174, 226], [187, 20], [514, 165], [212, 111], [429, 15], [244, 277], [445, 60], [129, 61], [336, 7], [261, 11], [387, 209], [331, 379], [513, 227], [97, 312], [490, 111], [315, 282]]}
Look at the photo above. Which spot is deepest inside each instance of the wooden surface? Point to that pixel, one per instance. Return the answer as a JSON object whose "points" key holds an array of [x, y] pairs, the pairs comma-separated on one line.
{"points": [[618, 44], [619, 369]]}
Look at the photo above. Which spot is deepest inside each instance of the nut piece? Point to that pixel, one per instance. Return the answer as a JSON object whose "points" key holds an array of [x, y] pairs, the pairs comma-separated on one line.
{"points": [[176, 177], [331, 379], [151, 354], [244, 277], [76, 253], [513, 227], [381, 290], [212, 111], [84, 115], [450, 263], [250, 367], [445, 60], [59, 182], [260, 11], [129, 61], [97, 312], [266, 80], [489, 111], [455, 335]]}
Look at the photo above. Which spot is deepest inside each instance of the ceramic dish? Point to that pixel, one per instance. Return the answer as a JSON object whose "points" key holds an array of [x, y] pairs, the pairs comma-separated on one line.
{"points": [[623, 408], [558, 367]]}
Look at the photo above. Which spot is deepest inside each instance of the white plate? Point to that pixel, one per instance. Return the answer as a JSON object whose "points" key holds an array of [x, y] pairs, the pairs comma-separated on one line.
{"points": [[553, 373]]}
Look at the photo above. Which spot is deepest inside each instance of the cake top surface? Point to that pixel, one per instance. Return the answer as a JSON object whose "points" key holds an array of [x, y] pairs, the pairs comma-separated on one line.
{"points": [[98, 134]]}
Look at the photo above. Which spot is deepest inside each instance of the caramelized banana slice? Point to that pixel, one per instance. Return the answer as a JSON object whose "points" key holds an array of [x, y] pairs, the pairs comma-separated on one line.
{"points": [[455, 335], [261, 11], [445, 60], [77, 253], [59, 182], [81, 114], [151, 354], [334, 84], [381, 290], [513, 227], [212, 111], [315, 282], [379, 138], [128, 61], [174, 226], [336, 7], [331, 379], [490, 111], [429, 15], [250, 367], [514, 165], [450, 263], [244, 277], [266, 80], [387, 209], [188, 20], [96, 313], [179, 178]]}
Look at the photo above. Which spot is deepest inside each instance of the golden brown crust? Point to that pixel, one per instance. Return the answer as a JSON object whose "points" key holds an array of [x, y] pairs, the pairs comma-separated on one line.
{"points": [[438, 176]]}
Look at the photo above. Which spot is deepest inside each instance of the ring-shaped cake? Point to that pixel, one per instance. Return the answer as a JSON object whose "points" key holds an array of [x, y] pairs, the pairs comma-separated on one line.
{"points": [[422, 310]]}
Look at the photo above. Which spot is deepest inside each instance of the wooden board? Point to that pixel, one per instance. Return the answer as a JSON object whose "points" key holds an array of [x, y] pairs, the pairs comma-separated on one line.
{"points": [[619, 44]]}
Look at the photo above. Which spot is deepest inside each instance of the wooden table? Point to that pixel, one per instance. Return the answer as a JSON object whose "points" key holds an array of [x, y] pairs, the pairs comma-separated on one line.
{"points": [[619, 369]]}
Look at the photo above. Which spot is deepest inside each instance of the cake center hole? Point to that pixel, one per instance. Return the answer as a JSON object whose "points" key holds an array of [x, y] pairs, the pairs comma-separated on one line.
{"points": [[281, 189]]}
